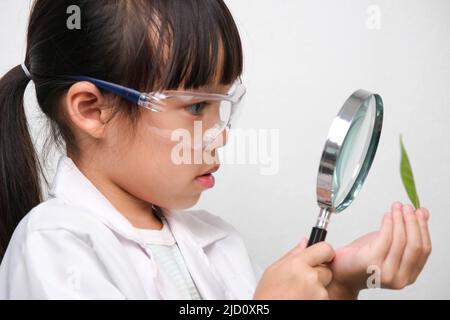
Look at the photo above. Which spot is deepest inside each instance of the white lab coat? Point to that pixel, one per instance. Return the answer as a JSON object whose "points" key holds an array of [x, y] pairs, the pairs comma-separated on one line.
{"points": [[76, 245]]}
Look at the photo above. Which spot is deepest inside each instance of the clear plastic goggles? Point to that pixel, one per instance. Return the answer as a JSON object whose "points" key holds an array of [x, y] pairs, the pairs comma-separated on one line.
{"points": [[194, 118]]}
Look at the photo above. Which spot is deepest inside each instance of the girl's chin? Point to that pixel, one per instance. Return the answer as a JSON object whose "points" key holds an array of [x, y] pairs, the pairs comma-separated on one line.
{"points": [[187, 203]]}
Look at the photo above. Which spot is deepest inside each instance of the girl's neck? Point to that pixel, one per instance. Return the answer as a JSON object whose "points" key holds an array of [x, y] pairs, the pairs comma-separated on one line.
{"points": [[138, 212]]}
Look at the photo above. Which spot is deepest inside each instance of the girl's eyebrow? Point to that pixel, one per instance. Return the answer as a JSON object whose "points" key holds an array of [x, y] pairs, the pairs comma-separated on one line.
{"points": [[213, 87]]}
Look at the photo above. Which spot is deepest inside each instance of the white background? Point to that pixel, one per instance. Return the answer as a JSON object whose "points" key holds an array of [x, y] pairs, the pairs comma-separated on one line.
{"points": [[302, 60]]}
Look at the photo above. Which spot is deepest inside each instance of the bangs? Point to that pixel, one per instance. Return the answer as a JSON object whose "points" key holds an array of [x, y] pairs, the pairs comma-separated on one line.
{"points": [[183, 44]]}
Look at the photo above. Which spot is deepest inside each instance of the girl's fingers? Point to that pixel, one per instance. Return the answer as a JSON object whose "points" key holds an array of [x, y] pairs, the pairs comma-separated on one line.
{"points": [[396, 205], [383, 242], [294, 251], [303, 244], [325, 275], [394, 257], [319, 253], [422, 217], [412, 255]]}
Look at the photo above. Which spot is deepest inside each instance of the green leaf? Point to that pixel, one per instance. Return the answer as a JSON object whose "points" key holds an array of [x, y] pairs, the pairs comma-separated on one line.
{"points": [[407, 176]]}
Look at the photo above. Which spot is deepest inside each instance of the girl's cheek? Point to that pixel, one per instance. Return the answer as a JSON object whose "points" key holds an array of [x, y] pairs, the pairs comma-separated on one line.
{"points": [[162, 170]]}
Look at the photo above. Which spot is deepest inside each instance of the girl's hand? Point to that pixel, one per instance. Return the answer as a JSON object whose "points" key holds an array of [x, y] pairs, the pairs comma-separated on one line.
{"points": [[298, 275], [398, 252]]}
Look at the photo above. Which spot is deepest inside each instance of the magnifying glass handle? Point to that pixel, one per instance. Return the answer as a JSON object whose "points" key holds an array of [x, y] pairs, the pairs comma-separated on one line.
{"points": [[319, 232], [317, 235]]}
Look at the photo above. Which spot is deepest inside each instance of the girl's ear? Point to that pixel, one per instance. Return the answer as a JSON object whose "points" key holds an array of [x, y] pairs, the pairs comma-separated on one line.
{"points": [[87, 109]]}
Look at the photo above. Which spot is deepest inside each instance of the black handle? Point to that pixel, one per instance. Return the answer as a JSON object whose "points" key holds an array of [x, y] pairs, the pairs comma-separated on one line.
{"points": [[317, 235]]}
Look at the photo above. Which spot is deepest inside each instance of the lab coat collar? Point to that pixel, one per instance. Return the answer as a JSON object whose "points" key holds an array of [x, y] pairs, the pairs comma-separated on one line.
{"points": [[74, 187]]}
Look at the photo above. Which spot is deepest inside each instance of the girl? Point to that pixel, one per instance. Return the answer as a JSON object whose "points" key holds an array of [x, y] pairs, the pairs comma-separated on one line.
{"points": [[118, 90]]}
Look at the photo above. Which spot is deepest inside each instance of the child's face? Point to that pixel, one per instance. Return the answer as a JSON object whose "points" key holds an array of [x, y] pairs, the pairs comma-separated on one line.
{"points": [[150, 169], [142, 163]]}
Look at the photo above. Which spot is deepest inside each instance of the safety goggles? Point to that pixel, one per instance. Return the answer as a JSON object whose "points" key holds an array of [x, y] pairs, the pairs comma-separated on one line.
{"points": [[196, 117]]}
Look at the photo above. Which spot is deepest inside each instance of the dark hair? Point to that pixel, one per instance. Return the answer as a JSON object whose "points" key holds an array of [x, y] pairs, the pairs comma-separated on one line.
{"points": [[142, 44]]}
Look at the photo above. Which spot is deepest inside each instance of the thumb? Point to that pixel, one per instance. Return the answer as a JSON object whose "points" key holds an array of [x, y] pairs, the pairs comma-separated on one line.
{"points": [[296, 250], [302, 245], [299, 247]]}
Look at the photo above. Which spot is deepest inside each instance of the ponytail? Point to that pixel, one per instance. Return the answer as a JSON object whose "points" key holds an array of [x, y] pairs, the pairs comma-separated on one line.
{"points": [[20, 188]]}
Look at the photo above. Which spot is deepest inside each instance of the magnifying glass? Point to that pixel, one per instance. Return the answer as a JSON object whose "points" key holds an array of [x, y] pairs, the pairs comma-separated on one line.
{"points": [[347, 157]]}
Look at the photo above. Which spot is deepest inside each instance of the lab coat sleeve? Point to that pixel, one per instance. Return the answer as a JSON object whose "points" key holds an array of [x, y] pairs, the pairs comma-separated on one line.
{"points": [[56, 264]]}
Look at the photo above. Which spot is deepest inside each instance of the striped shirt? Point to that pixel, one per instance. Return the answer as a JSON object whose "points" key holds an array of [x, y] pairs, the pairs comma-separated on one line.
{"points": [[170, 262]]}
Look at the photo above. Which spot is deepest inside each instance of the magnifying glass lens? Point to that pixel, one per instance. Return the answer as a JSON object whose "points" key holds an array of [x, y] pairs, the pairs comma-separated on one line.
{"points": [[347, 157], [352, 154]]}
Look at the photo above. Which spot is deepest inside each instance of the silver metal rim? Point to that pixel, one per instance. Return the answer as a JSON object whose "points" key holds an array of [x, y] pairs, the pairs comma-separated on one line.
{"points": [[334, 142]]}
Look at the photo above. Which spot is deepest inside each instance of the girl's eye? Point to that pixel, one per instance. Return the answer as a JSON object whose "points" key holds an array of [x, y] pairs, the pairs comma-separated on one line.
{"points": [[197, 108]]}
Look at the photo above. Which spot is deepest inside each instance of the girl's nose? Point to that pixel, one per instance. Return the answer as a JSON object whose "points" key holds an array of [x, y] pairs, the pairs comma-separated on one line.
{"points": [[225, 136], [220, 141]]}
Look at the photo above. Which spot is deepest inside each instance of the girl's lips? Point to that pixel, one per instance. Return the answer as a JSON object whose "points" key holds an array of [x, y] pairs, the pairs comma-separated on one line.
{"points": [[206, 180]]}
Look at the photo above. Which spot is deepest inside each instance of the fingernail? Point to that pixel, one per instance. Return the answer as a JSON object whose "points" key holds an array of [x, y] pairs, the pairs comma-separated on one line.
{"points": [[396, 205], [302, 242], [388, 215], [421, 213], [408, 209], [426, 213]]}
